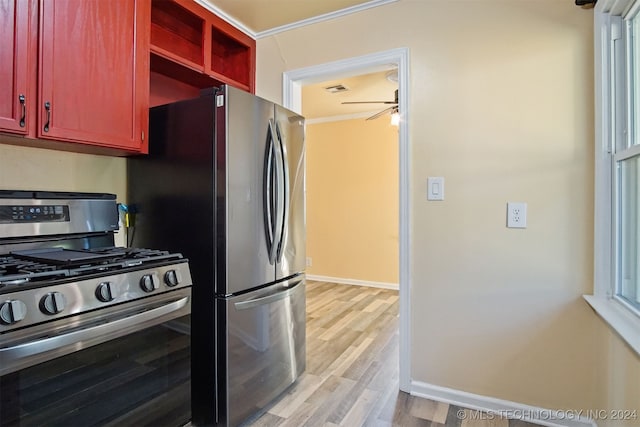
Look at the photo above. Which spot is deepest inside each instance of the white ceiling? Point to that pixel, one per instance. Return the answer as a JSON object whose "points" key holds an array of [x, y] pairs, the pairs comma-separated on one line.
{"points": [[257, 16], [319, 103]]}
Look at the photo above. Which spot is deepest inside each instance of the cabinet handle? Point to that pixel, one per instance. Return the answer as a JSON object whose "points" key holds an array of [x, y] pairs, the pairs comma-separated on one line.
{"points": [[23, 104], [47, 106]]}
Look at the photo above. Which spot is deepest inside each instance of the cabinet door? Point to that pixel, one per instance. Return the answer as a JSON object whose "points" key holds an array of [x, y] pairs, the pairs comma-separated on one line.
{"points": [[94, 72], [14, 33]]}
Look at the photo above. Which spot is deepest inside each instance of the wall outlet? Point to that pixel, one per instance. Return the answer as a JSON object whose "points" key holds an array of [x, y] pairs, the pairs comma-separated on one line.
{"points": [[309, 262], [516, 215]]}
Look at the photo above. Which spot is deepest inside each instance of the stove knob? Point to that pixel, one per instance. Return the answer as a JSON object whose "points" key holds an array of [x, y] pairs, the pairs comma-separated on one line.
{"points": [[103, 292], [12, 311], [52, 303], [149, 282], [172, 278]]}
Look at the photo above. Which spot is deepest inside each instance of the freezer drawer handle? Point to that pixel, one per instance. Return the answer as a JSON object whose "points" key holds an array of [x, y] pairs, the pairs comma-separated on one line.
{"points": [[100, 333], [282, 293]]}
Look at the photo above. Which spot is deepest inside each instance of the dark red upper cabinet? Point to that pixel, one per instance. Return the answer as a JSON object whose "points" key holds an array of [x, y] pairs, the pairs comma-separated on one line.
{"points": [[14, 33], [177, 33], [193, 47], [232, 55], [94, 72]]}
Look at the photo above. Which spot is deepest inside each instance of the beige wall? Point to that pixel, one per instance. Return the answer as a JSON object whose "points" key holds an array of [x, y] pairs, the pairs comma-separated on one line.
{"points": [[621, 380], [26, 168], [502, 107], [352, 200]]}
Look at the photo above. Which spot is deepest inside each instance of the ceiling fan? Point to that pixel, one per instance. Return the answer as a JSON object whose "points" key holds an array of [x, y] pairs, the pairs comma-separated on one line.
{"points": [[391, 110]]}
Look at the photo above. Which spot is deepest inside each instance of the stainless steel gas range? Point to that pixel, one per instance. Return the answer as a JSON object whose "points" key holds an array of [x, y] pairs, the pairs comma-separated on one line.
{"points": [[90, 333]]}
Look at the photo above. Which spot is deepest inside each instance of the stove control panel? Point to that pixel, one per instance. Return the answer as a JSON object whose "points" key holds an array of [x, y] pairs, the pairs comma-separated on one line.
{"points": [[24, 307], [35, 218], [25, 213]]}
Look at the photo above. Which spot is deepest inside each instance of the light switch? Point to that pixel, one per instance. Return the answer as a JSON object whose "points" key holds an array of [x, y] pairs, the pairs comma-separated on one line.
{"points": [[435, 188]]}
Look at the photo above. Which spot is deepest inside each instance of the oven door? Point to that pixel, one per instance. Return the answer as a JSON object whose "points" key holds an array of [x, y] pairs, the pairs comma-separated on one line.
{"points": [[122, 366]]}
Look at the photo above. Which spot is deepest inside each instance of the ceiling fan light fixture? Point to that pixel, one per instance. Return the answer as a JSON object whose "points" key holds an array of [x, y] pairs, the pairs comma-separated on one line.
{"points": [[395, 118]]}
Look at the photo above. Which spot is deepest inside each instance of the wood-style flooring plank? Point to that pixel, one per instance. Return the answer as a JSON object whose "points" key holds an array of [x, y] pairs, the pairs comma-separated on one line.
{"points": [[303, 388], [351, 377], [475, 419], [327, 406], [360, 409], [429, 410]]}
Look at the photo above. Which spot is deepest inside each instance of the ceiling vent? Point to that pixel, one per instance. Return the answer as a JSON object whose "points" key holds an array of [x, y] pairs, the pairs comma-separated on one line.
{"points": [[336, 88]]}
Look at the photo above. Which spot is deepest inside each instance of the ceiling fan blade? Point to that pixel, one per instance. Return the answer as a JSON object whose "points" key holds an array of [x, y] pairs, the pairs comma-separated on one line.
{"points": [[382, 113]]}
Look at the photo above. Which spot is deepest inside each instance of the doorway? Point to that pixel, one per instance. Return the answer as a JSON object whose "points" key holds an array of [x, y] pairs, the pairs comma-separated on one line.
{"points": [[292, 99], [352, 180]]}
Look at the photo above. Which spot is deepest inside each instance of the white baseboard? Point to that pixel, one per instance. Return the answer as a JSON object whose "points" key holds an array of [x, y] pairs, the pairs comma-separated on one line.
{"points": [[491, 405], [353, 282]]}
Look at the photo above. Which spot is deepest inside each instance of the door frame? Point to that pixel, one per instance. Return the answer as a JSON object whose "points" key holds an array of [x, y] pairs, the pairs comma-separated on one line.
{"points": [[292, 82]]}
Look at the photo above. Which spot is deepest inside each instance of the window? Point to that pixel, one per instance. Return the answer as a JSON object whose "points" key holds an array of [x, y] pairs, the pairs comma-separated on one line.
{"points": [[617, 215], [627, 231], [626, 158]]}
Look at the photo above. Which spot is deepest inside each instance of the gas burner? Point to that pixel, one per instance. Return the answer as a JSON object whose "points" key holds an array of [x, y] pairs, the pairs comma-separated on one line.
{"points": [[14, 271], [12, 265], [29, 277], [131, 253]]}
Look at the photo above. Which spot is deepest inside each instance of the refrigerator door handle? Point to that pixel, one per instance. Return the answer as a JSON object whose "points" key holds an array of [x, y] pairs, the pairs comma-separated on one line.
{"points": [[280, 293], [286, 195], [268, 193], [280, 194]]}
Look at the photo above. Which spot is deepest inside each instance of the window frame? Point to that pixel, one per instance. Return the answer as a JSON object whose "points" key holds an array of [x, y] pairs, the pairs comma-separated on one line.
{"points": [[614, 130]]}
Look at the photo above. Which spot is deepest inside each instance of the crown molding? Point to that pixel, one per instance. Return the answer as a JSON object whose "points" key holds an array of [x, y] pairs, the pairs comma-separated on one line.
{"points": [[325, 17], [231, 20]]}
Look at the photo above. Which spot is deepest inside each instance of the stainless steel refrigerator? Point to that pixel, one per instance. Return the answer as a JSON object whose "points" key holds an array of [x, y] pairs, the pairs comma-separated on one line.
{"points": [[224, 185]]}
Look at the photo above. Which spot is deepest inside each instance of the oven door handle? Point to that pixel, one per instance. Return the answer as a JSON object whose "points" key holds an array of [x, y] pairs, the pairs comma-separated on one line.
{"points": [[83, 338]]}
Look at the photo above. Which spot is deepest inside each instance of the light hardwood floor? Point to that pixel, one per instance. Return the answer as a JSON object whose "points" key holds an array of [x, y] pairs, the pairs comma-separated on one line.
{"points": [[352, 369]]}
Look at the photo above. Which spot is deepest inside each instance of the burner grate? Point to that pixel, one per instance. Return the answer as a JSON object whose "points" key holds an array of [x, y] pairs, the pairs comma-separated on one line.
{"points": [[11, 265], [14, 271], [23, 268]]}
